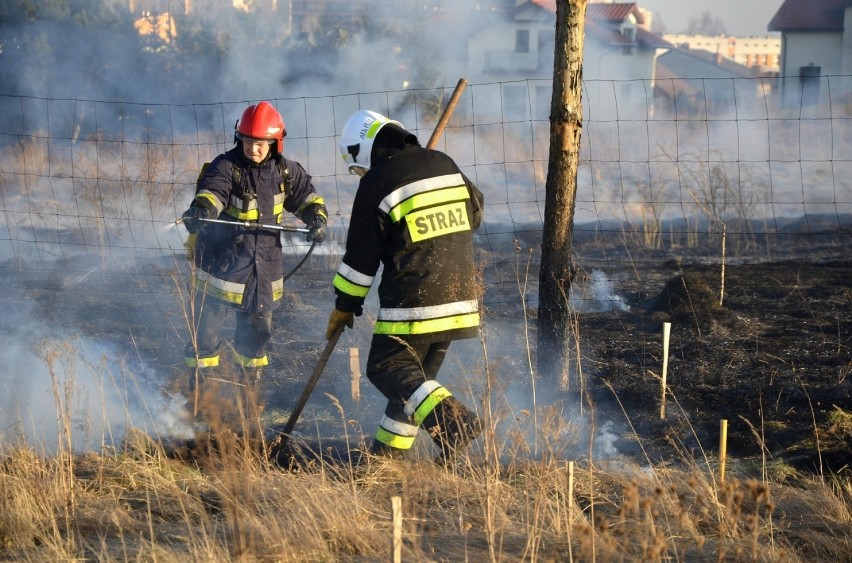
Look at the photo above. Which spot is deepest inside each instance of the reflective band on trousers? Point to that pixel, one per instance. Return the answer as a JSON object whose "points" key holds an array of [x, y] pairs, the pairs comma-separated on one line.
{"points": [[247, 362], [424, 400], [396, 434], [208, 362]]}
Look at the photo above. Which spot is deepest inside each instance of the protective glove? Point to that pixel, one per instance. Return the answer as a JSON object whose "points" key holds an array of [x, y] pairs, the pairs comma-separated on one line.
{"points": [[337, 319], [316, 229], [191, 216]]}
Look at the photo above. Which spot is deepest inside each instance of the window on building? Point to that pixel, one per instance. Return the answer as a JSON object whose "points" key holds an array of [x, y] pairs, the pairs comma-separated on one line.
{"points": [[522, 41], [809, 76]]}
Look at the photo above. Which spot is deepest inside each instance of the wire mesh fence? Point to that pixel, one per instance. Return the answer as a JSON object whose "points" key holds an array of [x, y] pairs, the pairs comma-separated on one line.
{"points": [[690, 171]]}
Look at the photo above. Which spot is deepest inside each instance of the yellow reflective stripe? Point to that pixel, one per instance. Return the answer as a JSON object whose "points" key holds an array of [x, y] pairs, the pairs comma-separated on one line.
{"points": [[221, 289], [420, 187], [248, 362], [418, 201], [278, 289], [313, 199], [278, 209], [208, 362], [428, 326], [428, 312], [419, 395], [211, 197], [350, 288], [394, 441], [429, 404], [237, 213]]}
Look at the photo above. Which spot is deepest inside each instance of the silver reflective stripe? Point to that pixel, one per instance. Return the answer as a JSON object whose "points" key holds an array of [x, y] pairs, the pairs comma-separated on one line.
{"points": [[226, 286], [420, 395], [354, 275], [238, 202], [401, 194], [398, 428], [433, 312]]}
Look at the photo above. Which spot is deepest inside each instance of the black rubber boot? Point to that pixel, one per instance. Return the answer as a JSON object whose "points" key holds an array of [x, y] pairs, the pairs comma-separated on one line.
{"points": [[452, 427], [380, 449]]}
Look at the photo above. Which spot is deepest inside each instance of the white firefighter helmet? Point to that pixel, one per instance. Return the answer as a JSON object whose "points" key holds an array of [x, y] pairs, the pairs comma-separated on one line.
{"points": [[356, 140]]}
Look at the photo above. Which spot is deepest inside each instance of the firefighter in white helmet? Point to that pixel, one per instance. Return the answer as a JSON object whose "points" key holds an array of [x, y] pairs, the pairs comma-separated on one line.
{"points": [[415, 214], [239, 267]]}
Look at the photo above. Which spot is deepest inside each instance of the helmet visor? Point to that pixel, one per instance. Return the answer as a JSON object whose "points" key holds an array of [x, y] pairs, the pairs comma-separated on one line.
{"points": [[253, 140]]}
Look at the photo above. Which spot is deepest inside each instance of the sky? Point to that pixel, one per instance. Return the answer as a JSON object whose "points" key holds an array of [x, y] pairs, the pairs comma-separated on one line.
{"points": [[741, 17]]}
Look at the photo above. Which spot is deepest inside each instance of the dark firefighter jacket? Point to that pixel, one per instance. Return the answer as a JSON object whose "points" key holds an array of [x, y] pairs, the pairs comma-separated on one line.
{"points": [[245, 266], [414, 213]]}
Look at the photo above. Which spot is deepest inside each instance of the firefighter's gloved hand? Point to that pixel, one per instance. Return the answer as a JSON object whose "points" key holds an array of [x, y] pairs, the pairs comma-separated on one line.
{"points": [[191, 216], [337, 319], [316, 229]]}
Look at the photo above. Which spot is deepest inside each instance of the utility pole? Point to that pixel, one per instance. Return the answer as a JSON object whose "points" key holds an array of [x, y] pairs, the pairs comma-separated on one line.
{"points": [[566, 120]]}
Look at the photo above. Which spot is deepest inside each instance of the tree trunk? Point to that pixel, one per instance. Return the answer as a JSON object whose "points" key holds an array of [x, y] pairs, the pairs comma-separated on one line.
{"points": [[566, 121]]}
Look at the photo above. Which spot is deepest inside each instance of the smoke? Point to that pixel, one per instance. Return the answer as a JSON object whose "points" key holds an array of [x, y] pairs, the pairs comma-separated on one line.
{"points": [[219, 53], [535, 415], [65, 391]]}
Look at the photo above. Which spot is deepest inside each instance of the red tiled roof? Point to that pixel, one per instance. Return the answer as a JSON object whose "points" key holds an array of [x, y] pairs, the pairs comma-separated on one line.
{"points": [[599, 18], [616, 12], [546, 4], [809, 15]]}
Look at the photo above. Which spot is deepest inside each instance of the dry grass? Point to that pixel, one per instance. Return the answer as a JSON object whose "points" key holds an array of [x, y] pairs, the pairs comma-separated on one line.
{"points": [[140, 502], [515, 498]]}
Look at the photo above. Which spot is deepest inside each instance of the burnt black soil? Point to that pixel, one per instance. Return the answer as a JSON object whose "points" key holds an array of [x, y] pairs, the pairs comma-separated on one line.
{"points": [[774, 359]]}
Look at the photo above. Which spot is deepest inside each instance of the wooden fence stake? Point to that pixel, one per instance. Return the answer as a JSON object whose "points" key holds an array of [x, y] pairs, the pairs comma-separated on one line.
{"points": [[396, 506], [723, 448], [570, 507], [355, 375], [667, 329]]}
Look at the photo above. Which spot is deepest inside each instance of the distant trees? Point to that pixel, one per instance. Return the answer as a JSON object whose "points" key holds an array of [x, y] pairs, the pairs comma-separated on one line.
{"points": [[706, 24], [93, 49]]}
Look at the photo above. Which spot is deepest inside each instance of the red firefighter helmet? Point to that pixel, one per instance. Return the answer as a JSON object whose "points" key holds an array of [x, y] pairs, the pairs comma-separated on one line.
{"points": [[262, 121]]}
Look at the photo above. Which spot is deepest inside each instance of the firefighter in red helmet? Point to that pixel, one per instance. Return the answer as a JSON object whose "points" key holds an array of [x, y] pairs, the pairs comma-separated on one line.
{"points": [[414, 214], [239, 267]]}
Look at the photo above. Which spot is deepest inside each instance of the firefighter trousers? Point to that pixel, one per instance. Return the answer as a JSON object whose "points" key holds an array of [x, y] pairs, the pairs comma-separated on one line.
{"points": [[251, 335], [405, 373]]}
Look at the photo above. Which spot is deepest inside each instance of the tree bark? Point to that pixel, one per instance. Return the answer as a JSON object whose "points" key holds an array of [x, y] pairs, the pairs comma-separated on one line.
{"points": [[566, 120]]}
